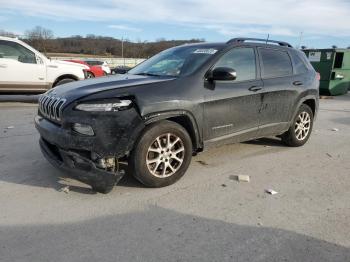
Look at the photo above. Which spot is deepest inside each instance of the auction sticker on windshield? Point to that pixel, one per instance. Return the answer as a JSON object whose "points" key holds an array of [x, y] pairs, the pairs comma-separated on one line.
{"points": [[205, 51]]}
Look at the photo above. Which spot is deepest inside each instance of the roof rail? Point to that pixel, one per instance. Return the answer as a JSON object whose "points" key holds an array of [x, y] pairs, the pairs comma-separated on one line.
{"points": [[242, 40]]}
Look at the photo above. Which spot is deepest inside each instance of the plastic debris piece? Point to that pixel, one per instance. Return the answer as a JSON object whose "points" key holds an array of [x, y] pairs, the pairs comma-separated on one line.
{"points": [[10, 127], [243, 178], [271, 191], [224, 185], [335, 129], [65, 189], [328, 154]]}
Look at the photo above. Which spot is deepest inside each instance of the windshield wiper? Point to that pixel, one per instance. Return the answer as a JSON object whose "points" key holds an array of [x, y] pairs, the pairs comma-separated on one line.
{"points": [[147, 74]]}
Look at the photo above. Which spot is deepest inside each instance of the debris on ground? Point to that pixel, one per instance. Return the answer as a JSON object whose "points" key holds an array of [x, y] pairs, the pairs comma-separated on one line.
{"points": [[271, 191], [240, 178], [203, 163], [10, 127], [65, 189], [335, 129], [329, 155], [224, 185], [243, 178], [326, 97]]}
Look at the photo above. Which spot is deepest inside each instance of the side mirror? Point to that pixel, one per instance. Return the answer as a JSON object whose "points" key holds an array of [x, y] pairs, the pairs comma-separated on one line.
{"points": [[222, 74]]}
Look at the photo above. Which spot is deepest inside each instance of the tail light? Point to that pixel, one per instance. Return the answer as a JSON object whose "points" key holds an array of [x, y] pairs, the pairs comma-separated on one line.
{"points": [[318, 76]]}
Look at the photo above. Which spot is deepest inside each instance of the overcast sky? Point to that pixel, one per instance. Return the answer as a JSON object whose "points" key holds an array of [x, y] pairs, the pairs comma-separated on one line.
{"points": [[322, 23]]}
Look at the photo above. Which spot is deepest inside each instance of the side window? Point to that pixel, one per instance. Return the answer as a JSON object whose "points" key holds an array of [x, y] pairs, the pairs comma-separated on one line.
{"points": [[242, 60], [299, 65], [275, 63], [15, 51]]}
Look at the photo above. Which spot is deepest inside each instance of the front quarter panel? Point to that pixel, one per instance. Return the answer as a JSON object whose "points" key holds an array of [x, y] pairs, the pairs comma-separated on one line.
{"points": [[115, 132], [54, 71]]}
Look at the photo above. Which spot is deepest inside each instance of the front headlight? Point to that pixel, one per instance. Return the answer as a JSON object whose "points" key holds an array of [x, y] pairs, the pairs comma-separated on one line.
{"points": [[104, 106]]}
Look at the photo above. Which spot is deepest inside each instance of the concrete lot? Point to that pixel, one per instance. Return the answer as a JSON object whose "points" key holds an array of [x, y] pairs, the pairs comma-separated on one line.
{"points": [[206, 216]]}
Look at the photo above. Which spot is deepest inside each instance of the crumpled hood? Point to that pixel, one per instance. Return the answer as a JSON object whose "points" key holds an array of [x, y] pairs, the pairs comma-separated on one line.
{"points": [[80, 89]]}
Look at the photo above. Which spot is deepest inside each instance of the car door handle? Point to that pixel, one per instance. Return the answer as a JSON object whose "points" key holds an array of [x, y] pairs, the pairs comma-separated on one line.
{"points": [[3, 66], [297, 83], [255, 88]]}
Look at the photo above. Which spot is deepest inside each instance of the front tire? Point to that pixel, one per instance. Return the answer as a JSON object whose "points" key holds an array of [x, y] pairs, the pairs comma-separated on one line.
{"points": [[89, 75], [162, 154], [64, 81], [300, 131]]}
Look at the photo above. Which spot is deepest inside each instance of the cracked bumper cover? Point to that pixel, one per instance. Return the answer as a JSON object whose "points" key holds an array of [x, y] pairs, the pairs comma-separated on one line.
{"points": [[71, 152]]}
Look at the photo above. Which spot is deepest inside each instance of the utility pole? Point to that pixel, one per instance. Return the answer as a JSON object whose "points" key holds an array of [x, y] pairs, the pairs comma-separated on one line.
{"points": [[123, 51], [300, 39]]}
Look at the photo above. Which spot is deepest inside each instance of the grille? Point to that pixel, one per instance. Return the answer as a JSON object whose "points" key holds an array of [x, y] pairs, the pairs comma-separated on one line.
{"points": [[51, 107]]}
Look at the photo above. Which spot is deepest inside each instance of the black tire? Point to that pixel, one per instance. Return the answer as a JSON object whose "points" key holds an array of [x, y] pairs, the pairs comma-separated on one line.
{"points": [[290, 137], [64, 81], [89, 75], [138, 163]]}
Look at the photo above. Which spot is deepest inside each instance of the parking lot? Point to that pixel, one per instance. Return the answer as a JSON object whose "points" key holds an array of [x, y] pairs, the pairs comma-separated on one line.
{"points": [[207, 216]]}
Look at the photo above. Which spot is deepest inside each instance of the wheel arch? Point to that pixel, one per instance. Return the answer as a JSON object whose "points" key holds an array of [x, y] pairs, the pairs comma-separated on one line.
{"points": [[65, 76], [183, 118], [311, 103], [309, 100]]}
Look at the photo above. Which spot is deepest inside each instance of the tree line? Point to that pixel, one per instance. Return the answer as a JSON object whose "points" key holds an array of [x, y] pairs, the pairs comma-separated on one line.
{"points": [[44, 40]]}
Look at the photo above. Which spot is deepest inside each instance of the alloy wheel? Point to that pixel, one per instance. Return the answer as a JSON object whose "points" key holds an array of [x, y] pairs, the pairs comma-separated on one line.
{"points": [[302, 125], [165, 155]]}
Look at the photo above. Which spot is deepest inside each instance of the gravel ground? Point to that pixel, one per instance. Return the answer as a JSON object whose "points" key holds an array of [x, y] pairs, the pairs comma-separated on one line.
{"points": [[206, 216]]}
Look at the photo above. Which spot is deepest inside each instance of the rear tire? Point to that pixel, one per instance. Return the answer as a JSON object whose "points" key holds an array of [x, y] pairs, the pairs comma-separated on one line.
{"points": [[300, 131], [162, 154]]}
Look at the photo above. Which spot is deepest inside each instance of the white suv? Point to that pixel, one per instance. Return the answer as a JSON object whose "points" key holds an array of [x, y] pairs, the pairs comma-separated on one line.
{"points": [[22, 68]]}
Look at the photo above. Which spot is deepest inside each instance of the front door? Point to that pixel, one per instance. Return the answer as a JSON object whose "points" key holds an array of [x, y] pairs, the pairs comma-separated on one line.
{"points": [[231, 108], [20, 69]]}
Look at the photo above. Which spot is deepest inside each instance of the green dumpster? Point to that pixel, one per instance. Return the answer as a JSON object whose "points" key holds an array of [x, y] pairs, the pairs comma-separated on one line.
{"points": [[334, 68]]}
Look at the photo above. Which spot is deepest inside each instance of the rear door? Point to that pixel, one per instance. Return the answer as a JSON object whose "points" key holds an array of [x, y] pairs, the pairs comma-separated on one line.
{"points": [[232, 107], [280, 92], [20, 69]]}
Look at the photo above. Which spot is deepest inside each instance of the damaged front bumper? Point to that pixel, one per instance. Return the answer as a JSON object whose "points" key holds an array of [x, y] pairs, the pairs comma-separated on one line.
{"points": [[81, 168], [90, 159]]}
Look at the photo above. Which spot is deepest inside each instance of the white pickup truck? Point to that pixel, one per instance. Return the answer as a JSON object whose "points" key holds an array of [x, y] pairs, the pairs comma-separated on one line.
{"points": [[24, 69]]}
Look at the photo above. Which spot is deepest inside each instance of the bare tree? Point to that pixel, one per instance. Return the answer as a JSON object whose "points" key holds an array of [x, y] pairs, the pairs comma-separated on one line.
{"points": [[39, 37], [6, 33]]}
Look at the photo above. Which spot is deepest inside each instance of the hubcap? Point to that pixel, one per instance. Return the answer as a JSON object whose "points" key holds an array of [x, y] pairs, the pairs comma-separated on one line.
{"points": [[302, 126], [165, 155]]}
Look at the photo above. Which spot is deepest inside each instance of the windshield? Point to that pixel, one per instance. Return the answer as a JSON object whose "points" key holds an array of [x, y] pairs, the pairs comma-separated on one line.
{"points": [[177, 61], [94, 63]]}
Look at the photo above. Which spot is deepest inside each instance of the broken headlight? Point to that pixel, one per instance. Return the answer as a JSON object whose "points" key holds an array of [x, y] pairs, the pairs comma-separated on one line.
{"points": [[104, 106]]}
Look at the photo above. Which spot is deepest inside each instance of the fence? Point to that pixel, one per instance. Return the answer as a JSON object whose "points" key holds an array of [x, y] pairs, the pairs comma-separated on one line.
{"points": [[112, 62]]}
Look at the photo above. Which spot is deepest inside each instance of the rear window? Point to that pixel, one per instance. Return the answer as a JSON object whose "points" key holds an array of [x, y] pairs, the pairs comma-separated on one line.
{"points": [[299, 65], [275, 63]]}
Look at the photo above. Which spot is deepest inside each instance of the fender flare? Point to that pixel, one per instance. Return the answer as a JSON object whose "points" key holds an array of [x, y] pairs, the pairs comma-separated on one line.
{"points": [[154, 117], [300, 102]]}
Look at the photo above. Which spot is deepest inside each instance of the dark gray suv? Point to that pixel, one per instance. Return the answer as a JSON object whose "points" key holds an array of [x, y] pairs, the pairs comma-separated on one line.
{"points": [[176, 104]]}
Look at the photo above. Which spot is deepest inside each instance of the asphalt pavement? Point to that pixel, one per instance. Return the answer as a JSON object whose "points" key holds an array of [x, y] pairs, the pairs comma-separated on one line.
{"points": [[207, 216]]}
